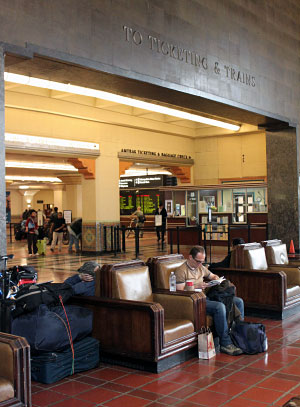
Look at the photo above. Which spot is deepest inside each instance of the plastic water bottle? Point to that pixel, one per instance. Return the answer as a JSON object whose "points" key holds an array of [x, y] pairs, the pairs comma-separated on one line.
{"points": [[172, 281]]}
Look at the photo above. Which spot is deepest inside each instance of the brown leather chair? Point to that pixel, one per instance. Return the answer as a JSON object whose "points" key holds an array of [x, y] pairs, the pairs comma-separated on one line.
{"points": [[140, 327], [266, 290], [15, 376], [160, 268], [276, 253]]}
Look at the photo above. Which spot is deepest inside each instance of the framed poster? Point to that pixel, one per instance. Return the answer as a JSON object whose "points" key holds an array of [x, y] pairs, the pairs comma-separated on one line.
{"points": [[210, 200], [68, 216], [169, 206]]}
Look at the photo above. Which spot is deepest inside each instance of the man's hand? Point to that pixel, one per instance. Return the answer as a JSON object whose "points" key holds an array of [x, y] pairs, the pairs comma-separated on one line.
{"points": [[202, 285], [86, 277]]}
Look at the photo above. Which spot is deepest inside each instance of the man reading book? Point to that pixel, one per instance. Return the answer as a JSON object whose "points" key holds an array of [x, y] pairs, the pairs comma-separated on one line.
{"points": [[193, 269]]}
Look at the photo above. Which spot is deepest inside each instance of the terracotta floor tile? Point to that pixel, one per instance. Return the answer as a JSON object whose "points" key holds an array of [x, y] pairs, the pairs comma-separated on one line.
{"points": [[46, 397], [263, 395], [245, 377], [134, 380], [98, 395], [72, 388], [116, 387], [278, 384], [161, 387], [127, 401], [181, 377], [242, 402], [74, 402], [209, 398], [145, 394], [185, 392], [107, 374], [170, 401], [293, 369], [90, 380], [228, 387]]}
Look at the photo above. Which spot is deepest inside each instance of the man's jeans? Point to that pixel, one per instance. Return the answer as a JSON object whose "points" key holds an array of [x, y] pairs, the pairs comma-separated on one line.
{"points": [[218, 311], [73, 240]]}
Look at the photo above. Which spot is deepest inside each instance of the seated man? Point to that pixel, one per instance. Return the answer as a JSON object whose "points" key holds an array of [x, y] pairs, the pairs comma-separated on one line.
{"points": [[225, 263], [83, 283], [192, 269]]}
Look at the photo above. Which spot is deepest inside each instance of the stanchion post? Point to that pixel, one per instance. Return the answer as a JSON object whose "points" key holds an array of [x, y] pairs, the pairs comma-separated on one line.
{"points": [[137, 243], [171, 240], [111, 238], [178, 243], [105, 238], [228, 242], [249, 233], [123, 238], [205, 243]]}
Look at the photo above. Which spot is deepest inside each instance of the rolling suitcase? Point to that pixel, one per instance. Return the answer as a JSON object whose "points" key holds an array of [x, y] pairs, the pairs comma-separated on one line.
{"points": [[41, 246], [50, 367]]}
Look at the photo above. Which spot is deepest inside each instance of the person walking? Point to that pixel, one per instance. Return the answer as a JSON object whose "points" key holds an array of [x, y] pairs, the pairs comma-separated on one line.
{"points": [[31, 228], [58, 227], [161, 229]]}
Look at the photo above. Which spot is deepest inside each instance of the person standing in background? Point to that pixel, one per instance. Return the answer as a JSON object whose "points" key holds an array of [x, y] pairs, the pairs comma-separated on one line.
{"points": [[31, 228], [161, 230], [58, 227]]}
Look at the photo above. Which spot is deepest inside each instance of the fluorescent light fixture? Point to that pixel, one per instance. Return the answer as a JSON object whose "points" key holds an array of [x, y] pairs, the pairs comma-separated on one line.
{"points": [[40, 166], [52, 142], [140, 173], [24, 186], [79, 90], [32, 179]]}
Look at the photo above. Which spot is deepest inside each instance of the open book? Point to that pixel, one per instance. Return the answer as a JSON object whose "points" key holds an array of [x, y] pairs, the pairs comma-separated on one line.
{"points": [[215, 282]]}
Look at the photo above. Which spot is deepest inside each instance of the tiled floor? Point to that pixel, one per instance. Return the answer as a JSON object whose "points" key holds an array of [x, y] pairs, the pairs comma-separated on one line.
{"points": [[262, 380]]}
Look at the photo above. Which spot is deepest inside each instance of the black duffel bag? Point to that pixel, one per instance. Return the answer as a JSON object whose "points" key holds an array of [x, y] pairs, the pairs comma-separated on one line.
{"points": [[48, 329], [249, 336], [31, 296]]}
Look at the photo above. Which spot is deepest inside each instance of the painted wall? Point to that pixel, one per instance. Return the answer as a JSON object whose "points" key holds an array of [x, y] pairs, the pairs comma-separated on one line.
{"points": [[246, 53], [43, 195], [230, 157]]}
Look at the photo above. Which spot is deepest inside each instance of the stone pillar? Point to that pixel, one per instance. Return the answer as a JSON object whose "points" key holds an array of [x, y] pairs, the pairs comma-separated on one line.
{"points": [[283, 185], [2, 161], [60, 197], [100, 204]]}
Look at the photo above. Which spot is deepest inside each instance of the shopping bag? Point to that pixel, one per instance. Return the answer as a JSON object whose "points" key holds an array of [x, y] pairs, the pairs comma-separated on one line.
{"points": [[158, 220], [206, 347]]}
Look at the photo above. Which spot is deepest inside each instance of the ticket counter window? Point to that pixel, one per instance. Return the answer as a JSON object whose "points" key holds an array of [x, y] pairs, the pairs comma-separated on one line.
{"points": [[179, 203]]}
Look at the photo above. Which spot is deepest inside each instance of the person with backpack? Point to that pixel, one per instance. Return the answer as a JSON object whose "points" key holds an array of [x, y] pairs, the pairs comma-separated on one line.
{"points": [[225, 263], [31, 228], [193, 270]]}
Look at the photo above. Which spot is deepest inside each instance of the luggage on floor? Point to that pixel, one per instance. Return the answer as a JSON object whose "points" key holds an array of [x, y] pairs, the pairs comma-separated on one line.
{"points": [[47, 329], [41, 246], [293, 402], [50, 367], [249, 336]]}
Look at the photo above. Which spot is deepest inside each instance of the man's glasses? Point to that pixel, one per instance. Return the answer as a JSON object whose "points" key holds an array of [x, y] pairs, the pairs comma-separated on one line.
{"points": [[197, 261]]}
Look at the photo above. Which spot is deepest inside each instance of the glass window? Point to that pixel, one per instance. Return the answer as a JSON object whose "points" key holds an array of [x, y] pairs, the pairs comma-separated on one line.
{"points": [[256, 200], [239, 206], [179, 203]]}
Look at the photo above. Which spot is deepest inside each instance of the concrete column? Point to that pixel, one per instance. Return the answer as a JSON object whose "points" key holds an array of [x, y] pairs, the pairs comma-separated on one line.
{"points": [[2, 162], [60, 198], [283, 185], [74, 200], [100, 203]]}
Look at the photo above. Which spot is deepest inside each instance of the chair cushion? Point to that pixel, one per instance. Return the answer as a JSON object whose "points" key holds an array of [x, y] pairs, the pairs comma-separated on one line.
{"points": [[132, 284], [177, 328], [6, 390], [255, 259], [292, 291], [164, 270], [277, 254], [7, 362]]}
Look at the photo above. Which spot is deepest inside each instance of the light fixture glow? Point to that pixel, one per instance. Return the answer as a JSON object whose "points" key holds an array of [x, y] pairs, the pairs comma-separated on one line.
{"points": [[32, 179], [79, 90], [40, 166], [24, 186], [47, 141]]}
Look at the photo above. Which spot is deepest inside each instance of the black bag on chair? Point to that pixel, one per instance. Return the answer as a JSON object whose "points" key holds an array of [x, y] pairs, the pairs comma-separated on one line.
{"points": [[249, 336]]}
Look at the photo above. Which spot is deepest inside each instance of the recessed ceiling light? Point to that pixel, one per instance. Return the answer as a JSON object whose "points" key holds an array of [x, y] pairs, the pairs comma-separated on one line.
{"points": [[40, 166]]}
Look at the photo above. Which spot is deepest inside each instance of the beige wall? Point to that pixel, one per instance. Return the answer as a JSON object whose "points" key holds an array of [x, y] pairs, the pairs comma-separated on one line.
{"points": [[240, 156], [43, 195], [16, 200]]}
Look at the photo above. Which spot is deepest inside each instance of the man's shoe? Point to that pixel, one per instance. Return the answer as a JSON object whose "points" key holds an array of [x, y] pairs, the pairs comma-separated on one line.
{"points": [[231, 350], [52, 250]]}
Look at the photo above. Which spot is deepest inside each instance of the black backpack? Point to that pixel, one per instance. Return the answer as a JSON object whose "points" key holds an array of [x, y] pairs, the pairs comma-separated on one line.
{"points": [[249, 336], [31, 296]]}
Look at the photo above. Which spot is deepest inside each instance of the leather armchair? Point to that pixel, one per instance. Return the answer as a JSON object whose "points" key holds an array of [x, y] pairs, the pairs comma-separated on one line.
{"points": [[160, 268], [15, 377], [266, 290], [140, 327]]}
